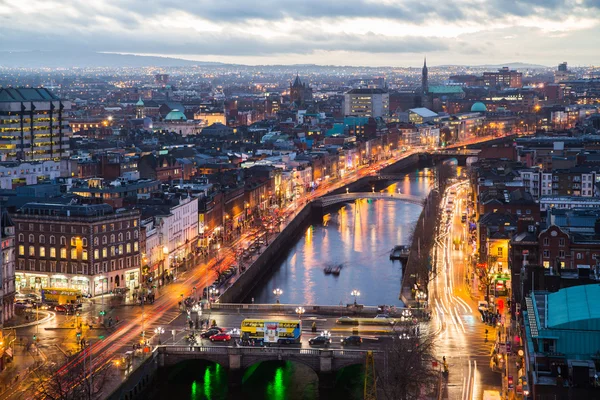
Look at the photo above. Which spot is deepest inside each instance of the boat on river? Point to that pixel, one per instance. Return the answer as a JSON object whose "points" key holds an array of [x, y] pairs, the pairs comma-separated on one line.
{"points": [[400, 253], [333, 269]]}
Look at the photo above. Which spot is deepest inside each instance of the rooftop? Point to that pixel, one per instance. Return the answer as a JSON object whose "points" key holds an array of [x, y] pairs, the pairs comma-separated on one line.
{"points": [[26, 94], [574, 308]]}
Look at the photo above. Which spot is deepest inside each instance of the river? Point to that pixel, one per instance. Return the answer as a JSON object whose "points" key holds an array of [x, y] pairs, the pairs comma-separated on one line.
{"points": [[358, 235]]}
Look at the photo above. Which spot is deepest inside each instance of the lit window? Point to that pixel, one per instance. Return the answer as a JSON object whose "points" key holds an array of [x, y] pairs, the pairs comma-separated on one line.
{"points": [[31, 251], [129, 247], [84, 255], [135, 246], [42, 252], [52, 252], [104, 252], [63, 253], [21, 250], [74, 254]]}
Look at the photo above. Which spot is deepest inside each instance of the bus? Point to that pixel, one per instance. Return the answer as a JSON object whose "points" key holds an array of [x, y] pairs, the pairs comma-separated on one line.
{"points": [[271, 331], [61, 295]]}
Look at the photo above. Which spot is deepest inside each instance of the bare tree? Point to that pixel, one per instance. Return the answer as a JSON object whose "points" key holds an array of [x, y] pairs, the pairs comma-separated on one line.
{"points": [[74, 381], [409, 369]]}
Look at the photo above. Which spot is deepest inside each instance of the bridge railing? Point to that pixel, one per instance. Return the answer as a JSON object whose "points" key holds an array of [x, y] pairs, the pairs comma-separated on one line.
{"points": [[310, 309], [249, 350]]}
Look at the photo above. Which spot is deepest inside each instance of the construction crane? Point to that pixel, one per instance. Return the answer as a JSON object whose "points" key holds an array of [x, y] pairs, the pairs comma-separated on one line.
{"points": [[370, 379]]}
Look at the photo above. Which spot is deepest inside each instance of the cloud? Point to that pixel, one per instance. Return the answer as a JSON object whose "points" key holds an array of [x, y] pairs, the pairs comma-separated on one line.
{"points": [[306, 28]]}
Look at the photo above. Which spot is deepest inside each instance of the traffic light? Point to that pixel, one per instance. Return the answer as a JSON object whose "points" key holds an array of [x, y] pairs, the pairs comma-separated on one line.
{"points": [[102, 313], [34, 337], [78, 335]]}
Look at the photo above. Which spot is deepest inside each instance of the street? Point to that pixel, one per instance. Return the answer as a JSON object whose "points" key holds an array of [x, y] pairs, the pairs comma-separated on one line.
{"points": [[462, 336]]}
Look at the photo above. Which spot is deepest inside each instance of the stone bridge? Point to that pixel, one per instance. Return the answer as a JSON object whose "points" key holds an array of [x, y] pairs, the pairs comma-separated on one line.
{"points": [[325, 362], [327, 201]]}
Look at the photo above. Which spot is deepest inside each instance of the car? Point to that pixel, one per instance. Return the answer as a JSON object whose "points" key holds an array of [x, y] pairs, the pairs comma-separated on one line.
{"points": [[482, 305], [346, 321], [320, 341], [61, 308], [220, 337], [211, 332], [382, 316], [352, 341]]}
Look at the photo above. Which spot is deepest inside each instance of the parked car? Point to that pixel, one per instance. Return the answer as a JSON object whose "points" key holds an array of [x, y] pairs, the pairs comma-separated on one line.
{"points": [[382, 316], [320, 341], [346, 321], [352, 341], [220, 337], [211, 332]]}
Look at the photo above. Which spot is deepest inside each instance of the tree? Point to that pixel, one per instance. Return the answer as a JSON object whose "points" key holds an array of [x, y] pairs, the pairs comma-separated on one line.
{"points": [[408, 370], [74, 380]]}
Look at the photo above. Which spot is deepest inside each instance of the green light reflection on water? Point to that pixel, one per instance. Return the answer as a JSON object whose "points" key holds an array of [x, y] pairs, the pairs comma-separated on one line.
{"points": [[207, 383], [194, 394], [276, 389]]}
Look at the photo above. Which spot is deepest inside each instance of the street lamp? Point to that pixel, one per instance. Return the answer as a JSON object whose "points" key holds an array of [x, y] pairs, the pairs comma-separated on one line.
{"points": [[355, 293], [277, 292], [159, 331], [300, 311]]}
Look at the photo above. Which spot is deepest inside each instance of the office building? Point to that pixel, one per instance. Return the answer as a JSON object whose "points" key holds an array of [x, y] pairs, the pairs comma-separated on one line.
{"points": [[505, 77], [33, 125], [367, 103]]}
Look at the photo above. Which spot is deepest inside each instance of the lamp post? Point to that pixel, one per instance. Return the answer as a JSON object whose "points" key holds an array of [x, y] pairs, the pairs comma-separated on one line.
{"points": [[159, 331], [165, 251], [355, 293], [212, 291], [300, 311], [277, 292]]}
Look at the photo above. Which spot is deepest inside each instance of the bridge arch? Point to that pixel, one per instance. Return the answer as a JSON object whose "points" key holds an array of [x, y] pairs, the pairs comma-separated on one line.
{"points": [[330, 200]]}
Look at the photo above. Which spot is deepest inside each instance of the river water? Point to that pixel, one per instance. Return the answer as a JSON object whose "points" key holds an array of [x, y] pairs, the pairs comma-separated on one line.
{"points": [[358, 235]]}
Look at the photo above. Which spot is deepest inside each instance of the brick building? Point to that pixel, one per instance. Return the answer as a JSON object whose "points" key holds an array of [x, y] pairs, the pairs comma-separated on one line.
{"points": [[86, 247]]}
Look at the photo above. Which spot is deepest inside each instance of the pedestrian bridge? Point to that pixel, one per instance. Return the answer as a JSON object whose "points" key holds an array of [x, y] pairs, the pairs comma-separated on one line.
{"points": [[330, 200]]}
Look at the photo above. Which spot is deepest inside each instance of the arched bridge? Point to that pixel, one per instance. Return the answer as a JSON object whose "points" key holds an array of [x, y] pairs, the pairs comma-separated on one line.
{"points": [[325, 362], [327, 201]]}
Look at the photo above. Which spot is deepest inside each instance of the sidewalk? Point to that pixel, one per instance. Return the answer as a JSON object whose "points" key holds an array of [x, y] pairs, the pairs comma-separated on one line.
{"points": [[23, 363]]}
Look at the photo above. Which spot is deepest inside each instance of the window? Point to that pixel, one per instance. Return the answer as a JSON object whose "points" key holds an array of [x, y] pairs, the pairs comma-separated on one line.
{"points": [[31, 227], [42, 265], [135, 246], [561, 253], [528, 211], [63, 253], [73, 229], [104, 240], [112, 227], [128, 262], [63, 240], [128, 247], [41, 227], [112, 238], [96, 241], [546, 241], [21, 264], [21, 250], [32, 265], [42, 239], [52, 239], [21, 238], [128, 236], [31, 239], [546, 253], [104, 228], [120, 249], [73, 254], [84, 242], [42, 252], [531, 228], [73, 241], [52, 252], [31, 251], [112, 250], [120, 237], [499, 251], [135, 222], [84, 255], [104, 252], [561, 241], [135, 234], [112, 265], [579, 256], [96, 253]]}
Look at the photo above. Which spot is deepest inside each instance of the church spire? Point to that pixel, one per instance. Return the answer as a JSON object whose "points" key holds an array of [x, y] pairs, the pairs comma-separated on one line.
{"points": [[424, 77]]}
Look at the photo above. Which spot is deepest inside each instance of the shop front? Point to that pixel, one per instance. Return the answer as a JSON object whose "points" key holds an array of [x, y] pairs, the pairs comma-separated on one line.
{"points": [[59, 281], [30, 281], [81, 283], [132, 279], [100, 285]]}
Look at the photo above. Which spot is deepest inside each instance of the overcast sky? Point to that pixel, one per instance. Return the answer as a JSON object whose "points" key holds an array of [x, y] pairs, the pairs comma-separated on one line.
{"points": [[340, 32]]}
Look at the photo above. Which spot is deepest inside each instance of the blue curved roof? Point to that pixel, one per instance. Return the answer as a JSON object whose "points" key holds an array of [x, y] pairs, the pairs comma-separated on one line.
{"points": [[175, 115], [575, 308], [478, 107]]}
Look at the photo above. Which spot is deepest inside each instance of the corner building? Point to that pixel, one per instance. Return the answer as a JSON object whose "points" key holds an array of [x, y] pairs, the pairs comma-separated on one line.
{"points": [[86, 247]]}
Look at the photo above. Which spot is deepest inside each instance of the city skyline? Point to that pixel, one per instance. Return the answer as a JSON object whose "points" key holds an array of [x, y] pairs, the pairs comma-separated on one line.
{"points": [[359, 33]]}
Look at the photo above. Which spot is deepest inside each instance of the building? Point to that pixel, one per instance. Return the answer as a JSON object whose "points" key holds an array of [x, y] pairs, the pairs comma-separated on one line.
{"points": [[562, 338], [115, 192], [37, 110], [505, 77], [418, 116], [424, 78], [77, 246], [7, 272], [367, 103], [14, 174], [300, 93]]}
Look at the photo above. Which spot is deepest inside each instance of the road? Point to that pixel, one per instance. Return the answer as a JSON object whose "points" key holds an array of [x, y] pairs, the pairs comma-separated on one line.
{"points": [[462, 335]]}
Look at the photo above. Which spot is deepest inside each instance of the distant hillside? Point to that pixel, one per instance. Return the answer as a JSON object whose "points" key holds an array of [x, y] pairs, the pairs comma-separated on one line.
{"points": [[67, 59]]}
